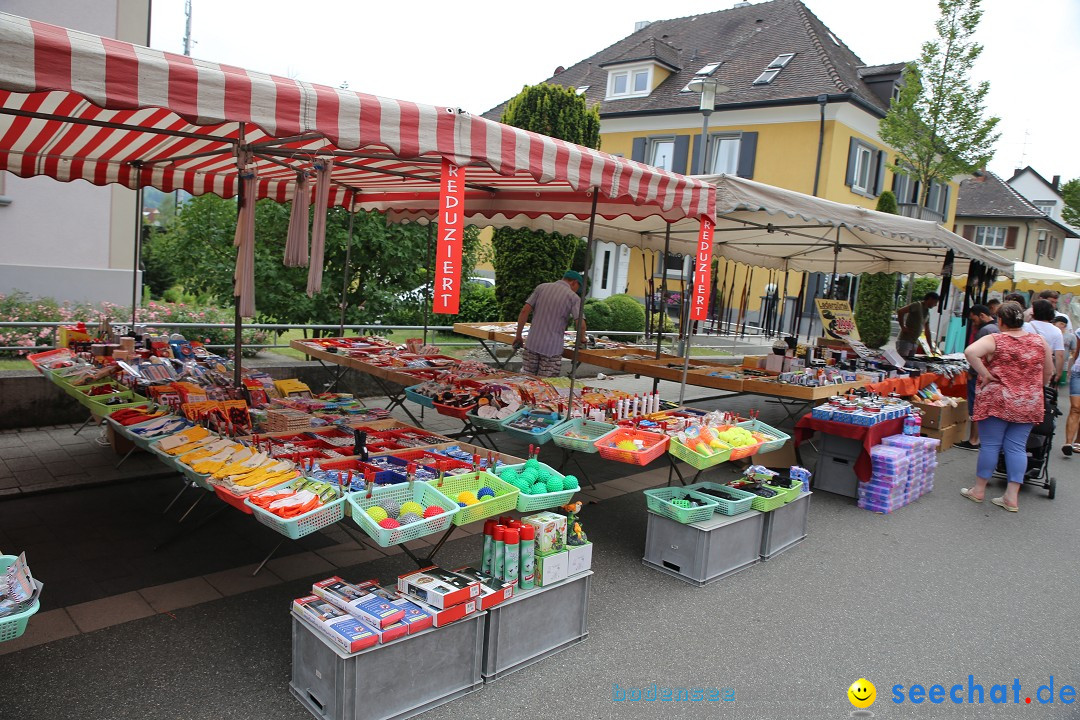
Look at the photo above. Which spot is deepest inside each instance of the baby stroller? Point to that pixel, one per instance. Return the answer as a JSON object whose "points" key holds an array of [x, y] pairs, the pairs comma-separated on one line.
{"points": [[1039, 444]]}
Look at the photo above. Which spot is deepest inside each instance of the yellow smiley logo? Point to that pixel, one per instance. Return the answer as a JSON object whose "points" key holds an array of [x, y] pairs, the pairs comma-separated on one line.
{"points": [[862, 693]]}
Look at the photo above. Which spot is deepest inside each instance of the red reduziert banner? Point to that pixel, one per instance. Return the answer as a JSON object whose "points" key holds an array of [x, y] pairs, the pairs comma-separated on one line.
{"points": [[699, 309], [447, 293]]}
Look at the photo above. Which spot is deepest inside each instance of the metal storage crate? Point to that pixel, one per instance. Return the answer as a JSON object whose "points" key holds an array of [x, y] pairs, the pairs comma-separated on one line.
{"points": [[535, 624], [386, 682], [705, 551]]}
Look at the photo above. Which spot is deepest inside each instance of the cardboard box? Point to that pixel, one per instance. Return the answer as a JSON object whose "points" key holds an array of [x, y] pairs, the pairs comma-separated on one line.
{"points": [[373, 609], [950, 435], [552, 567], [415, 618], [937, 417], [347, 632], [445, 616], [492, 592], [579, 558], [392, 632], [438, 587], [550, 531]]}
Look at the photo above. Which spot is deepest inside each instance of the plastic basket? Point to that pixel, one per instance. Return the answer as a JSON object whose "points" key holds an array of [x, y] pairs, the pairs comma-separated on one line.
{"points": [[506, 495], [13, 626], [301, 525], [483, 422], [537, 438], [101, 408], [724, 506], [454, 411], [541, 501], [659, 502], [768, 504], [789, 493], [697, 460], [419, 492], [419, 398], [655, 443], [593, 429], [768, 445], [237, 501]]}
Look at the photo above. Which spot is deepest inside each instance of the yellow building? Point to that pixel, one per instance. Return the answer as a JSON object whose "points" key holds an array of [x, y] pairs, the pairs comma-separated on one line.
{"points": [[796, 109]]}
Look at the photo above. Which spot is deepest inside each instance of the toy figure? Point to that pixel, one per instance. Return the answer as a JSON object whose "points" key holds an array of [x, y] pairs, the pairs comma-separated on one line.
{"points": [[574, 535]]}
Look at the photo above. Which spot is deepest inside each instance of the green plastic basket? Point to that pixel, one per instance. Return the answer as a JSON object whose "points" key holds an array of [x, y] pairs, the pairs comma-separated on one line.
{"points": [[789, 494], [483, 422], [697, 460], [591, 428], [100, 408], [537, 438], [13, 626], [297, 527], [724, 506], [768, 504], [659, 502], [505, 500], [400, 493], [768, 445], [541, 501]]}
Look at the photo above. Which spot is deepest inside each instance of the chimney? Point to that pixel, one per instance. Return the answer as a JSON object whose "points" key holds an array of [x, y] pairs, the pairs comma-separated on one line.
{"points": [[1056, 183], [741, 4], [1017, 171], [642, 24], [558, 70]]}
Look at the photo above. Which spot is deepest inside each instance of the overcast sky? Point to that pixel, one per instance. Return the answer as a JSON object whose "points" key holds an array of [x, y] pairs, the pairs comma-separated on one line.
{"points": [[476, 54]]}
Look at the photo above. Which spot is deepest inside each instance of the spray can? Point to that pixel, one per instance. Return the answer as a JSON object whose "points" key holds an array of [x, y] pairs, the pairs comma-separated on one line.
{"points": [[528, 557], [510, 569], [487, 564], [499, 536]]}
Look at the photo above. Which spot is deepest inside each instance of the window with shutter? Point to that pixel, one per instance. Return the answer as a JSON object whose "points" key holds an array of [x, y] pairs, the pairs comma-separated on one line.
{"points": [[1010, 237], [865, 168]]}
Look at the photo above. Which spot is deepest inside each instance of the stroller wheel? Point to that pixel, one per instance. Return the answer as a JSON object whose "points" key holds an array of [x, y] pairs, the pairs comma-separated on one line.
{"points": [[1051, 485]]}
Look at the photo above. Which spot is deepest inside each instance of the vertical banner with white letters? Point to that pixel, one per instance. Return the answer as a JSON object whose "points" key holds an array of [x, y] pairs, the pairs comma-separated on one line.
{"points": [[451, 219], [699, 308]]}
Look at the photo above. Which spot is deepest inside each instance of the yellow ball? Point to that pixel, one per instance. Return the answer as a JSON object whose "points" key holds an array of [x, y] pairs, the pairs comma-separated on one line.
{"points": [[627, 445], [467, 497], [412, 507], [376, 513]]}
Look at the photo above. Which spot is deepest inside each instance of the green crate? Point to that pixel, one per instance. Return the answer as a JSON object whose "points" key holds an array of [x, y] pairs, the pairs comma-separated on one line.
{"points": [[484, 423], [13, 626], [419, 492], [591, 428], [697, 460], [769, 504], [659, 502], [505, 500], [789, 494], [537, 438], [541, 501], [727, 507]]}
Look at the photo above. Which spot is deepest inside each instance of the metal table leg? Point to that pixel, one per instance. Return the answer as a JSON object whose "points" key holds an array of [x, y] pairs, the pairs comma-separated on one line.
{"points": [[337, 374], [430, 559], [172, 502], [267, 558], [86, 422], [126, 456], [396, 398]]}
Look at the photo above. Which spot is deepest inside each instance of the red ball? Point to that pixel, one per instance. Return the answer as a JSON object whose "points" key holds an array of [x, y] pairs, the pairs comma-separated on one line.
{"points": [[389, 523], [432, 510]]}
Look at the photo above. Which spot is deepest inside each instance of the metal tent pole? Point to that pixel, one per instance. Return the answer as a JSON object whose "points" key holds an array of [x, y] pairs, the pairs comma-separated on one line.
{"points": [[237, 320], [137, 256], [348, 255], [835, 263], [581, 307], [429, 291]]}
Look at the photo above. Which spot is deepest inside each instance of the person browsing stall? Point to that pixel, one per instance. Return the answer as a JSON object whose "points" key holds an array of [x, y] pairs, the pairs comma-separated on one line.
{"points": [[914, 320], [983, 323], [551, 306], [1012, 367], [1042, 322], [1072, 423]]}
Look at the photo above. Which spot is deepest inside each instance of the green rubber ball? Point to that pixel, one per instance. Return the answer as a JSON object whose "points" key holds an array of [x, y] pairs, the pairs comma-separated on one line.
{"points": [[554, 484], [570, 483], [539, 488]]}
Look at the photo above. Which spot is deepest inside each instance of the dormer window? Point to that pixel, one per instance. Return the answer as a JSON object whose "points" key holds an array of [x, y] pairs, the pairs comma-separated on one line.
{"points": [[629, 82], [774, 68]]}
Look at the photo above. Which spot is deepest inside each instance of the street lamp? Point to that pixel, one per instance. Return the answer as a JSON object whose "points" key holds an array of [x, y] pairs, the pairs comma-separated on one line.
{"points": [[709, 87]]}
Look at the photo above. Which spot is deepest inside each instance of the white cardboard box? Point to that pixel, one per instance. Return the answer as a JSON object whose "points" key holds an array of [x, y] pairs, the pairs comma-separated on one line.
{"points": [[579, 558], [552, 568]]}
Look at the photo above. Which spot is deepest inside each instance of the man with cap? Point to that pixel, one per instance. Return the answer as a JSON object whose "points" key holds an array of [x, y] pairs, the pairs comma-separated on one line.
{"points": [[551, 306]]}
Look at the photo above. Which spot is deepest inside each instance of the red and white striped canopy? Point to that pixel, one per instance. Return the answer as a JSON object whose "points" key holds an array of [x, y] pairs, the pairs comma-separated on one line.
{"points": [[79, 106]]}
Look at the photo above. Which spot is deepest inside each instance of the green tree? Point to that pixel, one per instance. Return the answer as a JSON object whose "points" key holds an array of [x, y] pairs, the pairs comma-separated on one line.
{"points": [[874, 308], [524, 258], [938, 125], [1070, 191]]}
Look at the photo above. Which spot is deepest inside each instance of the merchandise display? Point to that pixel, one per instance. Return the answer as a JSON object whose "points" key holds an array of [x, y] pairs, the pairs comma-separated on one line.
{"points": [[903, 471], [867, 410]]}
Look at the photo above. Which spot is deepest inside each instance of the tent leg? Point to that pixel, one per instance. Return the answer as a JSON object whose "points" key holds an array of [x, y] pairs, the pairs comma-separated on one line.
{"points": [[137, 257], [345, 273], [431, 285], [581, 307]]}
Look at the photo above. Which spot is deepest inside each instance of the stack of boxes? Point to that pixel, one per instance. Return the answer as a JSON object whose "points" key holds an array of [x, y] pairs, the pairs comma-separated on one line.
{"points": [[903, 468]]}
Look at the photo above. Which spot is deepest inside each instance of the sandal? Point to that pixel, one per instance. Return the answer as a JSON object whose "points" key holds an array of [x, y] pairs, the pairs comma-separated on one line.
{"points": [[1000, 502], [1066, 450], [966, 492]]}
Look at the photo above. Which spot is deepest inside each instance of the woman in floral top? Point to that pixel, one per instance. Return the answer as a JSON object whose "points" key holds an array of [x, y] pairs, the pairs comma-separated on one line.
{"points": [[1012, 367]]}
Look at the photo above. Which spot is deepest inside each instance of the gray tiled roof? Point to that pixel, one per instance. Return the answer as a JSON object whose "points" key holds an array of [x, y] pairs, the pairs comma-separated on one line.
{"points": [[987, 195], [649, 49], [746, 39]]}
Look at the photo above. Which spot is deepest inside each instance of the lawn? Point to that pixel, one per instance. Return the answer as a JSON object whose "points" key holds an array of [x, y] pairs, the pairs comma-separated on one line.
{"points": [[15, 364]]}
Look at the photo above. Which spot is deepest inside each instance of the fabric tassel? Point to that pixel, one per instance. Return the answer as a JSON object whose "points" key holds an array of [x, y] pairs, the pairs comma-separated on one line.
{"points": [[244, 241], [318, 226], [296, 245]]}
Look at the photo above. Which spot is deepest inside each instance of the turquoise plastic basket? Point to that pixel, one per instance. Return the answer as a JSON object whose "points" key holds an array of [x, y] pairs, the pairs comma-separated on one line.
{"points": [[535, 438], [542, 501], [13, 626], [727, 507], [482, 422], [595, 430], [301, 525], [400, 493], [768, 445], [419, 398], [659, 502]]}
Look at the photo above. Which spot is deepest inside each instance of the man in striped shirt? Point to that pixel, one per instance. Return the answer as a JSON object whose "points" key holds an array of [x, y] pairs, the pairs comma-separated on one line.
{"points": [[551, 306]]}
